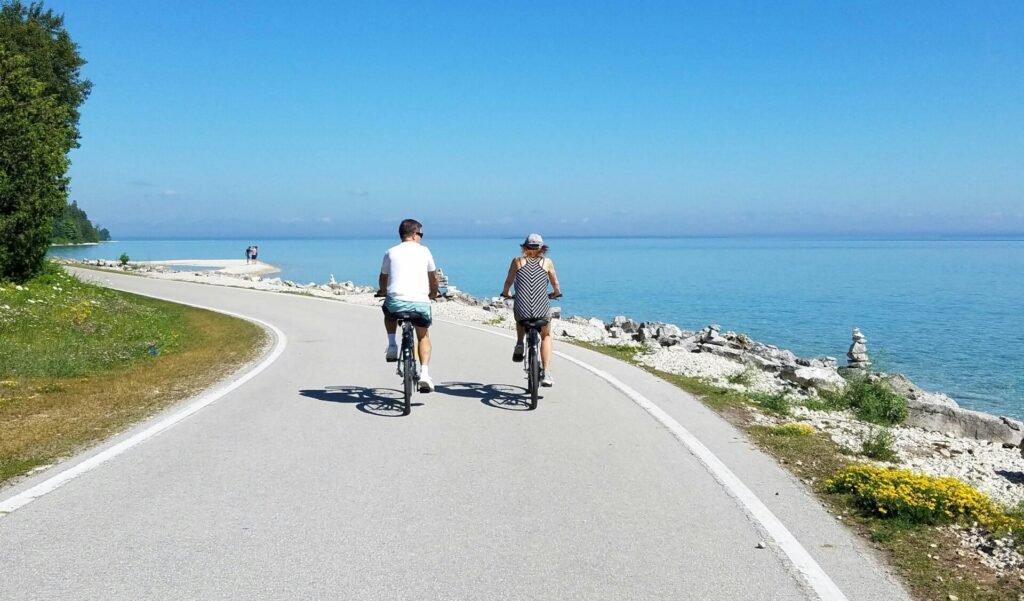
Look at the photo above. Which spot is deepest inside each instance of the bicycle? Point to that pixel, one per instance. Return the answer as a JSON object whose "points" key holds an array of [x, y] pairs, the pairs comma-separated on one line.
{"points": [[532, 356], [408, 368]]}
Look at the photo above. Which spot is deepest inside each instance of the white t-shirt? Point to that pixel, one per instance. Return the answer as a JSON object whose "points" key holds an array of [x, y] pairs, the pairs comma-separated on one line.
{"points": [[406, 266]]}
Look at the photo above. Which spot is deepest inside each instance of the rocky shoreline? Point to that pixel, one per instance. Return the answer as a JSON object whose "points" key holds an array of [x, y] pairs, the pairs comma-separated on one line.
{"points": [[938, 438]]}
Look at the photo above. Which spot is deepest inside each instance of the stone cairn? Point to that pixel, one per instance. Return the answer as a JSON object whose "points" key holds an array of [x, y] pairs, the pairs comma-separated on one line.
{"points": [[858, 353]]}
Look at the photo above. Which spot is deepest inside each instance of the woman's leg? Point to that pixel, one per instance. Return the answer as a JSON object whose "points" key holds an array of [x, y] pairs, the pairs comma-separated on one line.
{"points": [[545, 346]]}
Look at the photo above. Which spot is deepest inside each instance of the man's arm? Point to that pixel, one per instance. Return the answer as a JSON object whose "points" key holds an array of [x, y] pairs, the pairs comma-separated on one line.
{"points": [[432, 277], [382, 284]]}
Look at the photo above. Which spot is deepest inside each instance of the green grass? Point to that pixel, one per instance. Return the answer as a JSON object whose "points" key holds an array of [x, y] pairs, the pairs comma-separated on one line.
{"points": [[743, 378], [626, 352], [56, 326], [80, 362], [776, 404]]}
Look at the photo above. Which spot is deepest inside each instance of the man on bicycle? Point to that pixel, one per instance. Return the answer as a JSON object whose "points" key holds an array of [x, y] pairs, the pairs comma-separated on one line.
{"points": [[408, 277]]}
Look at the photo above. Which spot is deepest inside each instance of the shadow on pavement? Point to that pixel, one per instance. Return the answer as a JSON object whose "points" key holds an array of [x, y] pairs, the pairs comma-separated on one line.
{"points": [[499, 396], [382, 402]]}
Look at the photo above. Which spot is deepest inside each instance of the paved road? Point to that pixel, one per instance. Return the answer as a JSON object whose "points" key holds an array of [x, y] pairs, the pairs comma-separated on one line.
{"points": [[304, 484]]}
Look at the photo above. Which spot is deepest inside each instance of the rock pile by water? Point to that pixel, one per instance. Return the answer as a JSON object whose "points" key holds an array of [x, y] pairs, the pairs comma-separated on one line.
{"points": [[858, 353]]}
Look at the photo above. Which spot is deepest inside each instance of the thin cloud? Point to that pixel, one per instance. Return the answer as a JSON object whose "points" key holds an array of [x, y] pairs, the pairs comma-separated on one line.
{"points": [[358, 192], [169, 192]]}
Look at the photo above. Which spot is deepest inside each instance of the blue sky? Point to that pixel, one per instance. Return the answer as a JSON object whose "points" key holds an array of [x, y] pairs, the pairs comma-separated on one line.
{"points": [[571, 118]]}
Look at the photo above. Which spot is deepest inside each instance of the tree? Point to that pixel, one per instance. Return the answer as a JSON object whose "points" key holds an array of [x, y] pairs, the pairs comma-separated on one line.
{"points": [[40, 92], [74, 227]]}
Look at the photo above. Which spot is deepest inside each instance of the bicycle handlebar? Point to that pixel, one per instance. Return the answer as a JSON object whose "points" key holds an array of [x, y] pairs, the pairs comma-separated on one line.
{"points": [[552, 296]]}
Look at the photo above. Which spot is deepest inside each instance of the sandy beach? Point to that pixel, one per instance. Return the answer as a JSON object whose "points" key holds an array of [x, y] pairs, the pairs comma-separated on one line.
{"points": [[227, 266]]}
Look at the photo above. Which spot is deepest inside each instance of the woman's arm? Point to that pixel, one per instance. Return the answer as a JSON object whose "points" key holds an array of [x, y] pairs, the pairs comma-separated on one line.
{"points": [[553, 277], [512, 269]]}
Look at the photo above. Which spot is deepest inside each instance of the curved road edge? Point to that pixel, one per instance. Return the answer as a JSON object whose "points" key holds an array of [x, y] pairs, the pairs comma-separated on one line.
{"points": [[156, 425], [793, 552]]}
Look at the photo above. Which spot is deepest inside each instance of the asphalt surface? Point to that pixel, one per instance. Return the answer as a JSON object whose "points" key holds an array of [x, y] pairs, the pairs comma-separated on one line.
{"points": [[306, 483]]}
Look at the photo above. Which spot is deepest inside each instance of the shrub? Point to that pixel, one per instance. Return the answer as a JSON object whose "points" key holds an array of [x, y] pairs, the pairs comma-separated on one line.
{"points": [[124, 258], [875, 402], [916, 498], [773, 403], [791, 429], [878, 445], [743, 378], [871, 401]]}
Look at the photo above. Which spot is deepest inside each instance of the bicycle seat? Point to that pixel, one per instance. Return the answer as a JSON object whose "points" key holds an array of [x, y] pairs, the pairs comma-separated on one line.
{"points": [[535, 323], [404, 316]]}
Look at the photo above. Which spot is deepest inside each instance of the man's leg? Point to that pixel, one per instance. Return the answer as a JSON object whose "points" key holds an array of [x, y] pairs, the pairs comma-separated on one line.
{"points": [[391, 326], [424, 345]]}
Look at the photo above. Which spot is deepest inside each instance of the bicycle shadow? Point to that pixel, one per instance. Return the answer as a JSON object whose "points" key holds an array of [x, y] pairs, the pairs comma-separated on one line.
{"points": [[382, 402], [1011, 476], [498, 396]]}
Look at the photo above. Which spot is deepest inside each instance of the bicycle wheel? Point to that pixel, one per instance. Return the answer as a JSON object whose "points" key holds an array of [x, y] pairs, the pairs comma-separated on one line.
{"points": [[408, 372], [533, 377]]}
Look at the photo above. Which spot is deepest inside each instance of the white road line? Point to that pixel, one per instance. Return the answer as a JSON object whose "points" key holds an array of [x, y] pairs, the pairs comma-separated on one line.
{"points": [[794, 553], [51, 484]]}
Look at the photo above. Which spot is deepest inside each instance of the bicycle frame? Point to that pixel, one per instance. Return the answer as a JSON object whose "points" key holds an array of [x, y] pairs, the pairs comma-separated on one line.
{"points": [[407, 368], [533, 365]]}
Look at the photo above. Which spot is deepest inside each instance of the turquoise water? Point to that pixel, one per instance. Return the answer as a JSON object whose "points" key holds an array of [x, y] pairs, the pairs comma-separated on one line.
{"points": [[947, 313]]}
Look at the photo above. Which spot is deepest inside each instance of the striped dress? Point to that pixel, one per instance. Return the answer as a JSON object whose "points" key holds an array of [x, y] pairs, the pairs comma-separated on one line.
{"points": [[531, 286]]}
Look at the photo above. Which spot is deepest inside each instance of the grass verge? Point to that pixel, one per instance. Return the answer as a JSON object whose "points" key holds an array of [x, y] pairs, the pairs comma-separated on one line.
{"points": [[80, 362], [927, 556]]}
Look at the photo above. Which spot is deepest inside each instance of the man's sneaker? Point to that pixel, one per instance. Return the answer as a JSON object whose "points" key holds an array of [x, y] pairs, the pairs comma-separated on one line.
{"points": [[426, 384], [517, 353], [391, 355], [546, 381]]}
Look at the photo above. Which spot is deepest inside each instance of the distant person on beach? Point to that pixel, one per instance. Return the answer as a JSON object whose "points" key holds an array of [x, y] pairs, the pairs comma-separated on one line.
{"points": [[408, 282], [248, 255], [255, 254], [530, 273]]}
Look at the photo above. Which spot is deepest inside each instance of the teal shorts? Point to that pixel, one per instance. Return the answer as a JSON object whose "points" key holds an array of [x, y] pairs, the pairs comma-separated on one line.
{"points": [[422, 315]]}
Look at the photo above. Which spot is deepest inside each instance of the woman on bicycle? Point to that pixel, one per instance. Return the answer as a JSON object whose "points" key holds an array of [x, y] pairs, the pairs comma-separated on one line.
{"points": [[530, 274]]}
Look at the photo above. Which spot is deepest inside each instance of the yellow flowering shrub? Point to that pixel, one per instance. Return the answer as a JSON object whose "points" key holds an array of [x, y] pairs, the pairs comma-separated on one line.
{"points": [[791, 429], [899, 493], [80, 312]]}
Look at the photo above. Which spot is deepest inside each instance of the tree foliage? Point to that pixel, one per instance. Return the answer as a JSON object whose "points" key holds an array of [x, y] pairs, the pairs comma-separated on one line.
{"points": [[40, 91], [74, 227]]}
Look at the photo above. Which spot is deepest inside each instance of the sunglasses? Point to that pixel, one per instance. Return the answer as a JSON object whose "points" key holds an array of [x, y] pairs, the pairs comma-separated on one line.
{"points": [[420, 234]]}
